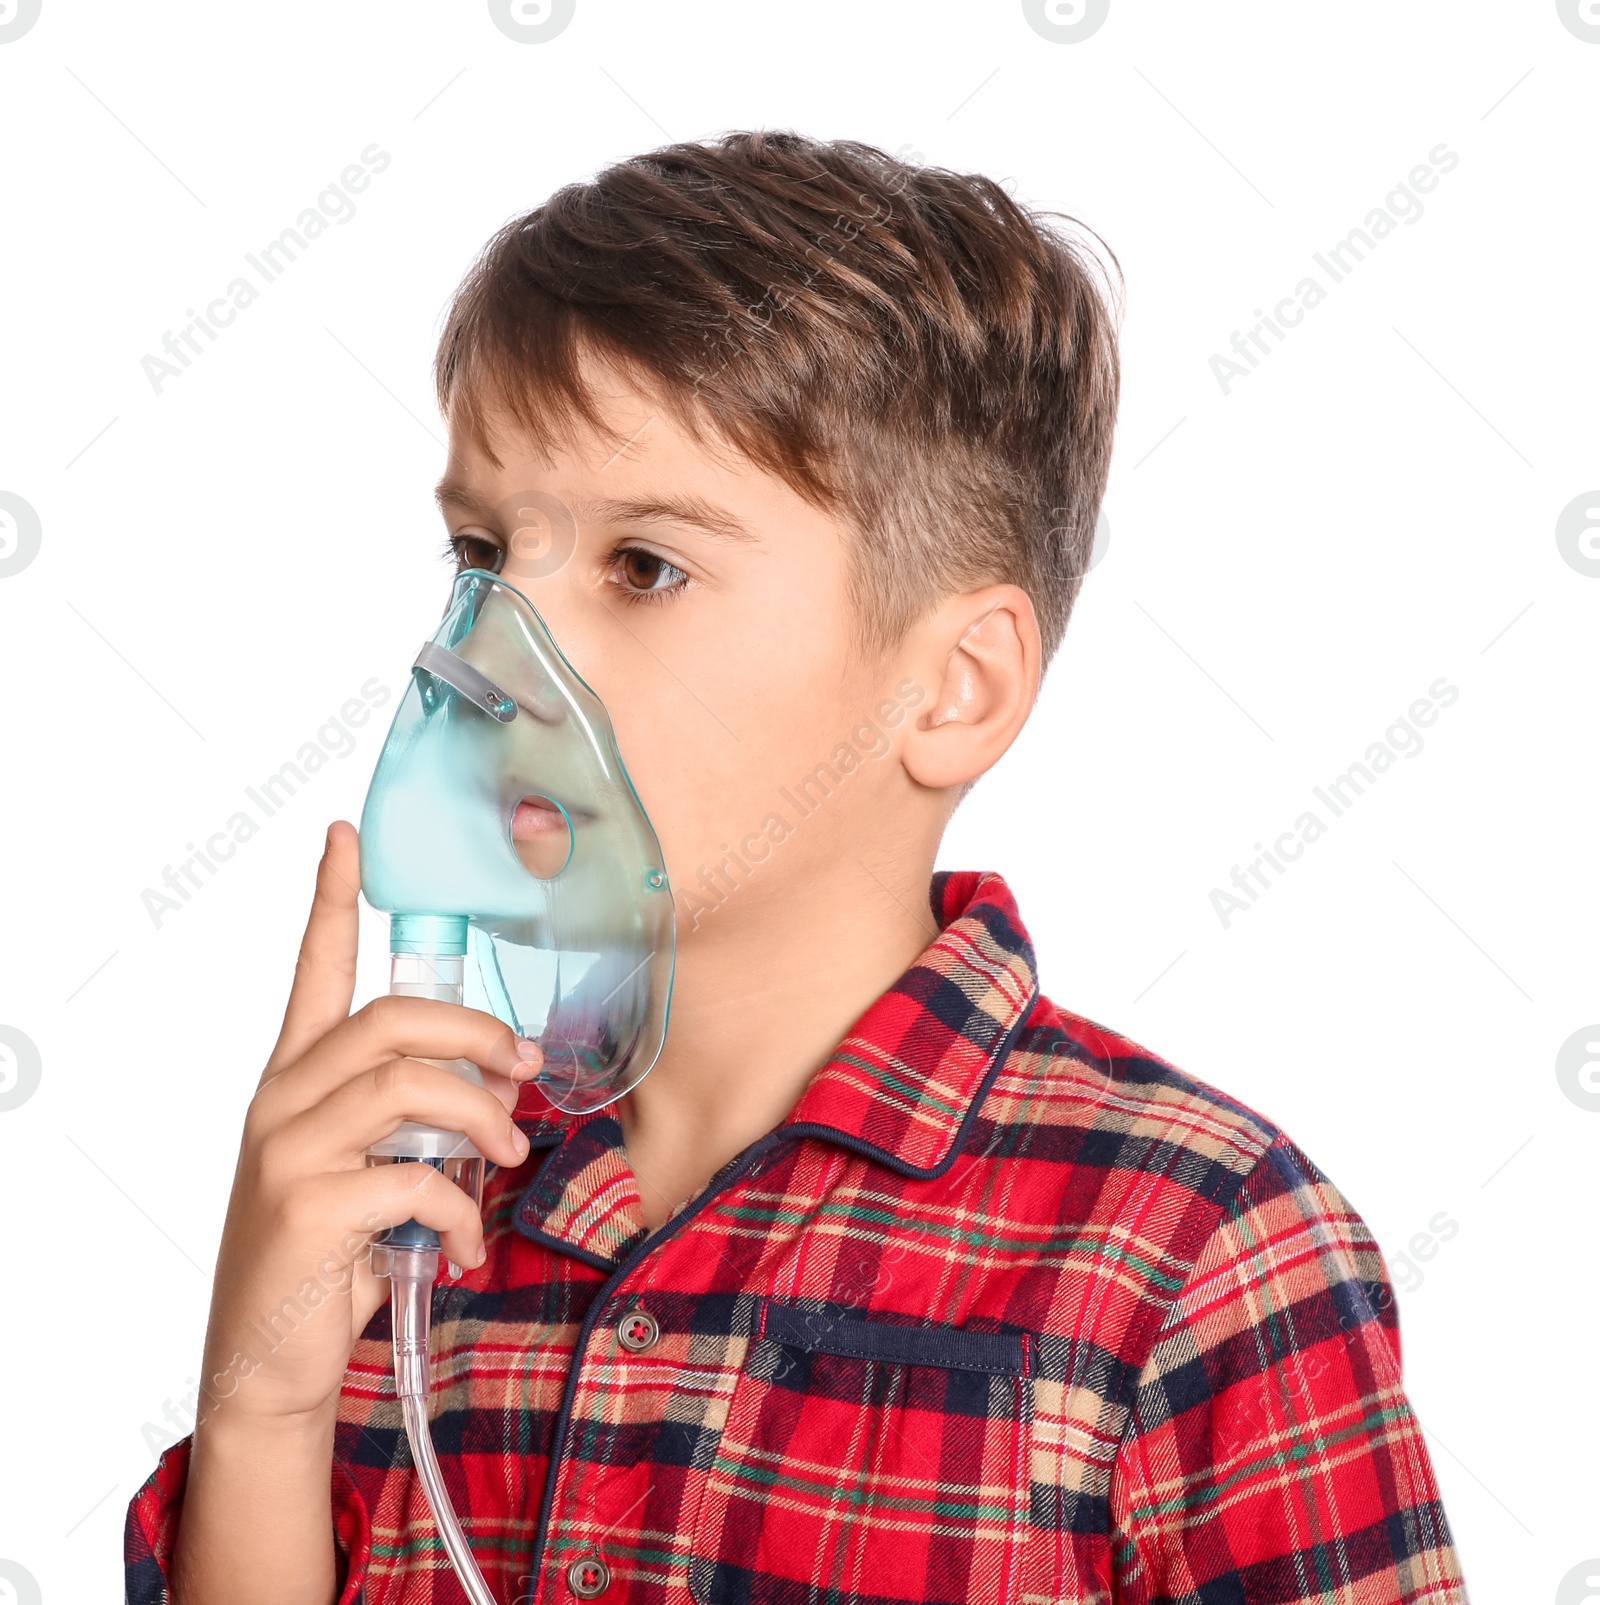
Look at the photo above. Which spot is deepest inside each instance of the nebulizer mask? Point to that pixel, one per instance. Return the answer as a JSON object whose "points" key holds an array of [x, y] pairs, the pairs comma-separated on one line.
{"points": [[502, 836]]}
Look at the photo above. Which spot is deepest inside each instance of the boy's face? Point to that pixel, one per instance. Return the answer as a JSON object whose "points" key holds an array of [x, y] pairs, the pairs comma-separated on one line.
{"points": [[707, 605]]}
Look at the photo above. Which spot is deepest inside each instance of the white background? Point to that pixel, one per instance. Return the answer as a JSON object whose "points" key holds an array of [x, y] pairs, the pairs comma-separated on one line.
{"points": [[1290, 566]]}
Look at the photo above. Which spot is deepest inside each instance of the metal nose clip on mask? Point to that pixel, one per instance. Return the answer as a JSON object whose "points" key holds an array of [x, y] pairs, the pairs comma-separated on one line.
{"points": [[502, 835]]}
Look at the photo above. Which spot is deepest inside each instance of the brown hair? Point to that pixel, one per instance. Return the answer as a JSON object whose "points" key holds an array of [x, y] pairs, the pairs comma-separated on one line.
{"points": [[905, 346]]}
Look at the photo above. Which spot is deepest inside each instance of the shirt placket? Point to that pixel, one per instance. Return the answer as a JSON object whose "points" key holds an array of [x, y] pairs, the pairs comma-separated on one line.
{"points": [[596, 1508], [584, 1203], [588, 1505]]}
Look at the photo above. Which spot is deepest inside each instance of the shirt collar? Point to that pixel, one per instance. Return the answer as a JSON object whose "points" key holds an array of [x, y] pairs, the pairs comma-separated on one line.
{"points": [[904, 1082], [583, 1198], [900, 1088]]}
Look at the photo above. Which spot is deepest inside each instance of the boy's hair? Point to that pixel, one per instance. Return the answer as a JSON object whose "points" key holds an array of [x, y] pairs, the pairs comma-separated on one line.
{"points": [[905, 346]]}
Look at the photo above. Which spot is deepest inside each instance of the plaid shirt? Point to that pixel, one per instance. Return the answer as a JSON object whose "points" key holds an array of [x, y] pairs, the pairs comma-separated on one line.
{"points": [[1007, 1309]]}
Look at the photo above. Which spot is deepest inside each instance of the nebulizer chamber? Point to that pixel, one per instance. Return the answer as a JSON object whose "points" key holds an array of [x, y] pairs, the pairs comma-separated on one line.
{"points": [[564, 930]]}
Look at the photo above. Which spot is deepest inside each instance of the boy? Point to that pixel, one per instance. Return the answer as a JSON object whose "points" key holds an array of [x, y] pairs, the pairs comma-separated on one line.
{"points": [[893, 1281]]}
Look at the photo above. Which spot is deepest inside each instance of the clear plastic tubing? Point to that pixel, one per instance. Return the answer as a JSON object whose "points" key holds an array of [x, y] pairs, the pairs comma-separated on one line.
{"points": [[412, 1272], [428, 955]]}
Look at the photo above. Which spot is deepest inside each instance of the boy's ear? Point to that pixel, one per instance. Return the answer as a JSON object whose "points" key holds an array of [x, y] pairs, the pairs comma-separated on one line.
{"points": [[981, 652]]}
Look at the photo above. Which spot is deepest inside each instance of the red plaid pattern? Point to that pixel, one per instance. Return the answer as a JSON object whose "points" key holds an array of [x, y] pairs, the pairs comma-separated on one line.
{"points": [[1007, 1309]]}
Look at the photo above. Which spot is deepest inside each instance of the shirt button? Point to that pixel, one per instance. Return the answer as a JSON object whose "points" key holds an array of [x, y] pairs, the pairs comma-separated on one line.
{"points": [[637, 1331], [588, 1577]]}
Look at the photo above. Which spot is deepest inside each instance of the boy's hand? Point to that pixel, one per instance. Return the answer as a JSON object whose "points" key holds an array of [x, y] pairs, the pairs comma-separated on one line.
{"points": [[294, 1283]]}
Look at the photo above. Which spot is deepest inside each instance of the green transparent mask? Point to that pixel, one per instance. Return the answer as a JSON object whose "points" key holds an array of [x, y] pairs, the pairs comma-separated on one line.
{"points": [[500, 800]]}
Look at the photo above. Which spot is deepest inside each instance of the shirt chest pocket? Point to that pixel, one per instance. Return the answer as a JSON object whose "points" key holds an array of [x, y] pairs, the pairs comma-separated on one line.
{"points": [[863, 1460]]}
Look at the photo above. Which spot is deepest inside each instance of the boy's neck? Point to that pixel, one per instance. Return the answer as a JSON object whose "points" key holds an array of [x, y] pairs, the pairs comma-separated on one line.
{"points": [[758, 1007]]}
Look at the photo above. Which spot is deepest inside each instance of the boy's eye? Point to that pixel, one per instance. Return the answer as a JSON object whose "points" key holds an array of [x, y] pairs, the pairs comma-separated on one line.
{"points": [[644, 572], [476, 551]]}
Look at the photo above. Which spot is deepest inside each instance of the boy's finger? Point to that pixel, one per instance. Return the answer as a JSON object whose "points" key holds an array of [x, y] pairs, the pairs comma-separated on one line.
{"points": [[325, 971], [415, 1028], [368, 1108]]}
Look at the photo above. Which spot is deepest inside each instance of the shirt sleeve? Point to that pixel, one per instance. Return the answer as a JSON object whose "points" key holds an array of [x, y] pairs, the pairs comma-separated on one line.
{"points": [[1271, 1453], [152, 1526]]}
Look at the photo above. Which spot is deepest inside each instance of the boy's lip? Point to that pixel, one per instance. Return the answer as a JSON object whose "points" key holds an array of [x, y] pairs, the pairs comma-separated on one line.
{"points": [[538, 816]]}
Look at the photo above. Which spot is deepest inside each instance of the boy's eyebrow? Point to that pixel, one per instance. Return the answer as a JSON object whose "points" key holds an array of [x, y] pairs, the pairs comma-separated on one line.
{"points": [[454, 493], [690, 510]]}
